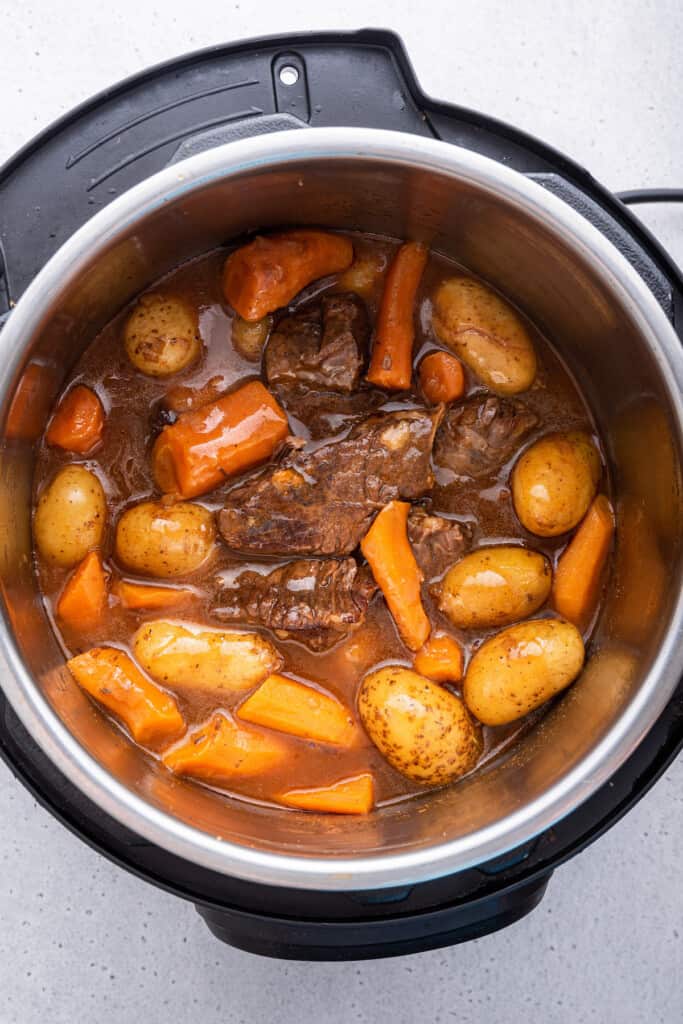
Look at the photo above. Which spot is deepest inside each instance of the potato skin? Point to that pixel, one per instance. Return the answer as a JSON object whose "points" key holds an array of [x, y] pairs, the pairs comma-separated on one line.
{"points": [[249, 336], [423, 730], [161, 540], [486, 333], [181, 654], [494, 586], [161, 335], [554, 482], [70, 516], [521, 668]]}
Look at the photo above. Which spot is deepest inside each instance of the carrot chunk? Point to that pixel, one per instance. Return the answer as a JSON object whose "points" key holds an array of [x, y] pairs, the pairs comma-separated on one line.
{"points": [[84, 598], [579, 569], [442, 378], [221, 749], [137, 596], [204, 447], [388, 551], [114, 680], [78, 423], [31, 403], [290, 706], [440, 659], [267, 273], [391, 363], [348, 796]]}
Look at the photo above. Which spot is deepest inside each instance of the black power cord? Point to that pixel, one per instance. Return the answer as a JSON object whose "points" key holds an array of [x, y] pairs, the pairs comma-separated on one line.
{"points": [[651, 195]]}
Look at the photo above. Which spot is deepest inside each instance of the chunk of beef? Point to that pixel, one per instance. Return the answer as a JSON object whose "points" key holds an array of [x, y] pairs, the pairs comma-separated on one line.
{"points": [[436, 541], [323, 345], [313, 601], [324, 413], [322, 502], [477, 437]]}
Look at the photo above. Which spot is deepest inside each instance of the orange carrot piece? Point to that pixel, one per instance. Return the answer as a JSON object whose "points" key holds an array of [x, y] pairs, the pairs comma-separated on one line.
{"points": [[31, 403], [112, 678], [78, 423], [579, 569], [205, 447], [267, 273], [391, 364], [139, 595], [220, 749], [290, 706], [440, 659], [348, 796], [84, 598], [442, 378], [388, 551]]}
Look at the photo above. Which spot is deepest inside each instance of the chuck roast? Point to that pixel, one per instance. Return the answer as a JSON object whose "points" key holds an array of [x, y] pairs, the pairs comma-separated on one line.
{"points": [[322, 502], [437, 542], [478, 436], [323, 346], [325, 413], [314, 601]]}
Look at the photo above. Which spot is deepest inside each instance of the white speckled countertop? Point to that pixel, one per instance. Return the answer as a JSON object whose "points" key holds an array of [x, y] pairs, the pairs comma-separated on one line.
{"points": [[80, 940]]}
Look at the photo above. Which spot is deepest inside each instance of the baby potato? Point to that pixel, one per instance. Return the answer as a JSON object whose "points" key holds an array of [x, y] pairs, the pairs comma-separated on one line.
{"points": [[424, 731], [494, 586], [363, 274], [161, 540], [249, 336], [554, 482], [70, 516], [161, 336], [486, 333], [521, 668], [178, 654]]}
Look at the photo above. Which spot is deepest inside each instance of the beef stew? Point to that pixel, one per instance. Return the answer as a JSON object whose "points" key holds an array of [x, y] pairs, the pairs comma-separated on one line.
{"points": [[268, 560]]}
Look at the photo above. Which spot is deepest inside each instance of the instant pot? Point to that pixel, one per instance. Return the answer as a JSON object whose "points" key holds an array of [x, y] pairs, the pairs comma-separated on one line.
{"points": [[332, 129]]}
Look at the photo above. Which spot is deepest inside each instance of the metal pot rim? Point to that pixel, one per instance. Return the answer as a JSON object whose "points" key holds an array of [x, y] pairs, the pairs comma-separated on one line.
{"points": [[327, 873]]}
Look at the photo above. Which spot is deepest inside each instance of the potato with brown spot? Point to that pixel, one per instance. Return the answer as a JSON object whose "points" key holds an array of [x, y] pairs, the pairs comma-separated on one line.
{"points": [[161, 335], [424, 731], [161, 540], [188, 655], [70, 516], [494, 586], [249, 337], [486, 333], [554, 482], [521, 668]]}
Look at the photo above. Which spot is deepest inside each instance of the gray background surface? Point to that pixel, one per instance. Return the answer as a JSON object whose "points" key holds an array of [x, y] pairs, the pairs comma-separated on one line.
{"points": [[82, 941]]}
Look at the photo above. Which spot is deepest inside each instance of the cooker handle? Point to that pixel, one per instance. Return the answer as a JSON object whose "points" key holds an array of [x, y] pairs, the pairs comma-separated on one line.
{"points": [[393, 934]]}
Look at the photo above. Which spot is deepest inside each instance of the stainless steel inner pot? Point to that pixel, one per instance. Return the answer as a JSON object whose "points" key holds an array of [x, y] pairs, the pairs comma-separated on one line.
{"points": [[610, 330]]}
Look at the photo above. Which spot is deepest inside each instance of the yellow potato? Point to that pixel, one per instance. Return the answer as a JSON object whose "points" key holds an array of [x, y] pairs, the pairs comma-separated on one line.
{"points": [[494, 586], [486, 333], [423, 730], [70, 517], [249, 336], [165, 540], [554, 482], [161, 335], [521, 668], [363, 274], [178, 654]]}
